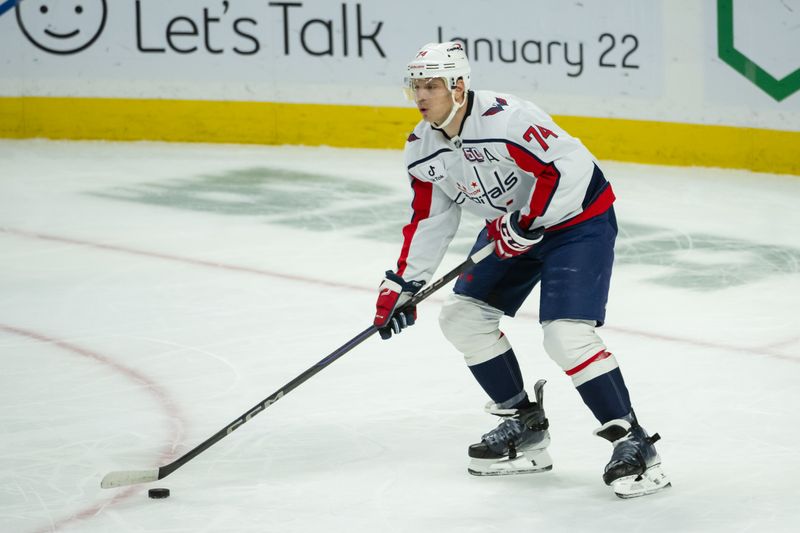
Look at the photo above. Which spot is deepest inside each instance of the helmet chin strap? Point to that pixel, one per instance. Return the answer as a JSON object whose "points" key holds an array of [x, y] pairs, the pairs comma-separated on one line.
{"points": [[453, 110]]}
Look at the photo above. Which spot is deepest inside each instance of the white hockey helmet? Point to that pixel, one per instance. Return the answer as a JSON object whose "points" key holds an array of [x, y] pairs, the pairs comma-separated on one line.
{"points": [[446, 60]]}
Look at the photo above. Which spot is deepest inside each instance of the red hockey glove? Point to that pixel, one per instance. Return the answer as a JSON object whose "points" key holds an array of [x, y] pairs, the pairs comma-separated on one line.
{"points": [[510, 240], [390, 315]]}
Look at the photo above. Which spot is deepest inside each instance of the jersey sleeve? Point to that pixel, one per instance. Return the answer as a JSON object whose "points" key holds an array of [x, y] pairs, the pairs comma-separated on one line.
{"points": [[544, 151], [434, 222]]}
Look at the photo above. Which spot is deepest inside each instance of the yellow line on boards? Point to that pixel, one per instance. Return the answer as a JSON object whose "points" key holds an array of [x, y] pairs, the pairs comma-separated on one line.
{"points": [[119, 119], [670, 143]]}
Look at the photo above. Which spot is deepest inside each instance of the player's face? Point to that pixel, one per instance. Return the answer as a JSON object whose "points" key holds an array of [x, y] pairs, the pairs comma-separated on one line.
{"points": [[432, 98]]}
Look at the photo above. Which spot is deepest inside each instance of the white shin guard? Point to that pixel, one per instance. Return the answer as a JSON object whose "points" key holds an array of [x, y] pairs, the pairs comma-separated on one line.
{"points": [[575, 347], [472, 327]]}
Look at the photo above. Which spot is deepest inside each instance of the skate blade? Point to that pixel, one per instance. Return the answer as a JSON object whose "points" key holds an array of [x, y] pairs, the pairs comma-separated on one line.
{"points": [[530, 463], [652, 481]]}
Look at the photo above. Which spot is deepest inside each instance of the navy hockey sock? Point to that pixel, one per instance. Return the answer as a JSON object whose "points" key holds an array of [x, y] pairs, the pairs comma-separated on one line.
{"points": [[606, 396], [501, 378]]}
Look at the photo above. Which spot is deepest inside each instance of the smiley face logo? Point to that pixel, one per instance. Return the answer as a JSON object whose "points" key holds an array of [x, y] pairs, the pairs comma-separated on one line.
{"points": [[62, 26]]}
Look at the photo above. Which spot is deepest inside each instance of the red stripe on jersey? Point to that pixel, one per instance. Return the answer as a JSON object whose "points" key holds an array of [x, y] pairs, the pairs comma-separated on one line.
{"points": [[421, 205], [547, 176], [599, 356], [600, 205]]}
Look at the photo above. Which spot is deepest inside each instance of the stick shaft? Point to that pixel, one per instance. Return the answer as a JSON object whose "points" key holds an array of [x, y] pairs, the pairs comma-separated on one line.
{"points": [[266, 402], [120, 478]]}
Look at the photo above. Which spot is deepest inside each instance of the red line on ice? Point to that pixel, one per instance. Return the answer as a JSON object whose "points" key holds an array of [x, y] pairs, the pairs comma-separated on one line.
{"points": [[169, 406], [760, 351], [178, 259]]}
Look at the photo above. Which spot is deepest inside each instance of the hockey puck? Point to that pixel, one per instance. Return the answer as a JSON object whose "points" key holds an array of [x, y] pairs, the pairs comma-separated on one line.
{"points": [[158, 494]]}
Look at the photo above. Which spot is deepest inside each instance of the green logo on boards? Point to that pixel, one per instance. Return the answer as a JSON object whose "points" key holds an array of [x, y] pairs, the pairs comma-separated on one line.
{"points": [[365, 210], [776, 88]]}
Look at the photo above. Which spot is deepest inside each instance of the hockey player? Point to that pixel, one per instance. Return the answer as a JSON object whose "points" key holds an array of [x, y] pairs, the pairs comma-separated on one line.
{"points": [[549, 212]]}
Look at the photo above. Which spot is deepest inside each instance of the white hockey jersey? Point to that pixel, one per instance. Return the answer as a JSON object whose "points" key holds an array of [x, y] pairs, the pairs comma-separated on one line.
{"points": [[509, 156]]}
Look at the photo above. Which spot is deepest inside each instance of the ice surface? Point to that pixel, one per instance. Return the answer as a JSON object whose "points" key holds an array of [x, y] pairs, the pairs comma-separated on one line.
{"points": [[152, 293]]}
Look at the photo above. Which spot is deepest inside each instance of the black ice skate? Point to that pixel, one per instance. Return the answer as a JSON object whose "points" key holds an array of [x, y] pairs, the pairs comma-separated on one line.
{"points": [[518, 445], [635, 467]]}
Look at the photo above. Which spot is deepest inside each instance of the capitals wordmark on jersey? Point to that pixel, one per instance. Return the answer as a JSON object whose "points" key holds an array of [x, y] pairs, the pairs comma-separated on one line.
{"points": [[509, 156]]}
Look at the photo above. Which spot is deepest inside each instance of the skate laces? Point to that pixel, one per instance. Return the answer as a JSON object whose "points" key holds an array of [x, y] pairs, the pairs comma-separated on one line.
{"points": [[635, 448], [515, 424], [506, 432], [520, 424]]}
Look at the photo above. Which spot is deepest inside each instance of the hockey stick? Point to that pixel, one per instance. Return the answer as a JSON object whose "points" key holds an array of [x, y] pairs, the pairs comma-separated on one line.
{"points": [[120, 478]]}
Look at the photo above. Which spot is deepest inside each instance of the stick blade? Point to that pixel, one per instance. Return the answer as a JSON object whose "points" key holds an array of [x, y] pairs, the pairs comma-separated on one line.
{"points": [[121, 478]]}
